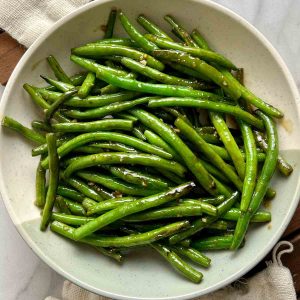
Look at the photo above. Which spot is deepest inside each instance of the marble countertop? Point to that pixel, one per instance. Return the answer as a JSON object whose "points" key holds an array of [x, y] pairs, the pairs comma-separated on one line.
{"points": [[23, 275]]}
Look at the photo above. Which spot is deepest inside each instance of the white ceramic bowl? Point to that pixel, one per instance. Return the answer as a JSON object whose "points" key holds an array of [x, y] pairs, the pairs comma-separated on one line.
{"points": [[144, 275]]}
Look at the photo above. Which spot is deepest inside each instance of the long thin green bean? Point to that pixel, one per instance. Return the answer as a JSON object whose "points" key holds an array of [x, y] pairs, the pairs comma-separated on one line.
{"points": [[109, 28], [58, 70], [87, 85], [40, 186]]}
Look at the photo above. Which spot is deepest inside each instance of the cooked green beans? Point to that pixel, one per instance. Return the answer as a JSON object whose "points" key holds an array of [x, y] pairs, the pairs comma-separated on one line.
{"points": [[262, 182], [53, 180], [151, 132], [210, 105], [206, 55], [98, 50], [131, 208], [106, 124], [26, 132], [124, 158]]}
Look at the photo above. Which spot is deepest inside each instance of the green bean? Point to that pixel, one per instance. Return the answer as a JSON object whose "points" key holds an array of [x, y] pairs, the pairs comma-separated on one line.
{"points": [[24, 131], [157, 75], [178, 211], [57, 69], [55, 106], [182, 33], [40, 126], [70, 219], [137, 132], [69, 193], [206, 55], [74, 207], [114, 146], [67, 231], [222, 242], [88, 203], [61, 206], [104, 193], [115, 41], [60, 85], [109, 28], [40, 186], [212, 138], [283, 166], [140, 86], [260, 216], [270, 193], [88, 149], [107, 136], [171, 176], [100, 125], [135, 35], [218, 225], [199, 40], [145, 181], [151, 27], [115, 184], [177, 263], [187, 155], [201, 67], [229, 143], [262, 181], [203, 222], [193, 254], [103, 111], [39, 101], [129, 240], [87, 85], [256, 101], [212, 156], [96, 51], [214, 201], [124, 158], [83, 188], [175, 112], [53, 180], [210, 105], [90, 101], [131, 208], [251, 165]]}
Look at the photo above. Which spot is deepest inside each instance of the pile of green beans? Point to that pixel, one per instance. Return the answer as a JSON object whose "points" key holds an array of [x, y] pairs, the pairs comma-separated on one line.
{"points": [[136, 151]]}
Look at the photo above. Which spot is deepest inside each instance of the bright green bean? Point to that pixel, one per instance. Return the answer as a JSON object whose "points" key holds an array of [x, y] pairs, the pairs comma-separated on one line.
{"points": [[199, 40], [60, 85], [210, 105], [222, 242], [69, 193], [87, 85], [70, 219], [57, 69], [53, 180], [260, 216]]}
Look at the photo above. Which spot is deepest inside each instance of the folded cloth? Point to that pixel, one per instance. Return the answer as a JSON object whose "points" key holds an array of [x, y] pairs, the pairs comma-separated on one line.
{"points": [[273, 283], [26, 20]]}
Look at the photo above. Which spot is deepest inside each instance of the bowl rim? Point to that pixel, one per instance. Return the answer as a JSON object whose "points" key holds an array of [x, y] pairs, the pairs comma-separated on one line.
{"points": [[52, 263]]}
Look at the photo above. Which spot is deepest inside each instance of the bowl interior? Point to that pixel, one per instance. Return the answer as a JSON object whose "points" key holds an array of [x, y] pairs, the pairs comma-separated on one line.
{"points": [[144, 275]]}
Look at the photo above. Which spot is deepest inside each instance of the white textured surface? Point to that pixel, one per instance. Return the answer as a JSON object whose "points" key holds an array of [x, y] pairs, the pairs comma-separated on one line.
{"points": [[23, 275]]}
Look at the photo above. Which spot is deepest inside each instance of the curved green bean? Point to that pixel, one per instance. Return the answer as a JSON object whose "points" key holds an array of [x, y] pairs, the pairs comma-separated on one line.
{"points": [[69, 193], [131, 208], [262, 181], [210, 105], [199, 40], [53, 180], [201, 67], [58, 70], [70, 219], [124, 158], [60, 85]]}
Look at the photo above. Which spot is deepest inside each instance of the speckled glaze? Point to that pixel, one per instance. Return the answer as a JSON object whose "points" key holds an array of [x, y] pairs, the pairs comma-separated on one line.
{"points": [[144, 275]]}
